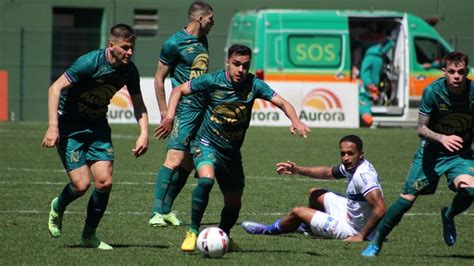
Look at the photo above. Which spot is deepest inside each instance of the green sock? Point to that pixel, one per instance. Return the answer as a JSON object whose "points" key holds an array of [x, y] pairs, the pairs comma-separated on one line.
{"points": [[391, 218], [67, 196], [161, 187], [96, 207], [461, 202], [178, 180], [229, 217], [88, 231], [200, 199]]}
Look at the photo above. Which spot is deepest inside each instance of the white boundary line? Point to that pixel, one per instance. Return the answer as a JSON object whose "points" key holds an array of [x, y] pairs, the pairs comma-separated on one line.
{"points": [[207, 214]]}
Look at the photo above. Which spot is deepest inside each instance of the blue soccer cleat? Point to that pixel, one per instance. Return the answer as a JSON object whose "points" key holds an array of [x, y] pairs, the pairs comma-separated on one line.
{"points": [[371, 251], [255, 228], [449, 229]]}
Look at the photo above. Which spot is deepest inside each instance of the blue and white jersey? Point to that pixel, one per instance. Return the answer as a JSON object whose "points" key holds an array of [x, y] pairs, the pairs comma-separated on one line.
{"points": [[360, 181]]}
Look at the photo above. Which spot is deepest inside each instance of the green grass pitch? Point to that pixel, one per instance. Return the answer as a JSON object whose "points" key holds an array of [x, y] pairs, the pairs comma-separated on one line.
{"points": [[30, 176]]}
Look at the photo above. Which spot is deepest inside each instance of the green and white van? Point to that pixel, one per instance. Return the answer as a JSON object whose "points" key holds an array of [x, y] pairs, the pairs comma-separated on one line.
{"points": [[311, 56]]}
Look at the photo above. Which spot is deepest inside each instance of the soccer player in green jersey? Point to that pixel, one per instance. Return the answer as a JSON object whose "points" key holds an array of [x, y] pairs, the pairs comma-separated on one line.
{"points": [[78, 127], [216, 148], [184, 56], [445, 123]]}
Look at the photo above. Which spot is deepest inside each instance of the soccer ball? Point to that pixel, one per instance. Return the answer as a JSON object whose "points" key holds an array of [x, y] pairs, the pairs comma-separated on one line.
{"points": [[213, 242]]}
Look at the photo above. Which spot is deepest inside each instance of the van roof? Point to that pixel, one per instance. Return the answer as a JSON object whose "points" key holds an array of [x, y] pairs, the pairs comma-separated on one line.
{"points": [[345, 13]]}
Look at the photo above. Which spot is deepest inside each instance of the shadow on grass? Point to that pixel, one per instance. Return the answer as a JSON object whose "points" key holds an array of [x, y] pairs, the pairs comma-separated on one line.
{"points": [[119, 246], [454, 256], [263, 251]]}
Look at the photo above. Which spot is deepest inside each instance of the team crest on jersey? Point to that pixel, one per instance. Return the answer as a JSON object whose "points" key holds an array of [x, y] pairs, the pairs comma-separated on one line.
{"points": [[190, 50]]}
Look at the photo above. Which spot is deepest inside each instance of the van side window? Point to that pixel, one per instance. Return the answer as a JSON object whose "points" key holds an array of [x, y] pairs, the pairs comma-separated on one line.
{"points": [[428, 50], [318, 51]]}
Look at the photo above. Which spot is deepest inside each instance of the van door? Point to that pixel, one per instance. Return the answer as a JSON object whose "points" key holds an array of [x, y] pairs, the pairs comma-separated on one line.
{"points": [[397, 72]]}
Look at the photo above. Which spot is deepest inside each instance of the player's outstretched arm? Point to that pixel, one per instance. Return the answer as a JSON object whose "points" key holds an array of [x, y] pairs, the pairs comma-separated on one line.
{"points": [[51, 137], [316, 172], [141, 114], [375, 200], [289, 110], [166, 126]]}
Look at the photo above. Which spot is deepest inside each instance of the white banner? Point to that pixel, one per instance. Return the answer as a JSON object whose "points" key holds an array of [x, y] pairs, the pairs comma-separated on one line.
{"points": [[317, 104]]}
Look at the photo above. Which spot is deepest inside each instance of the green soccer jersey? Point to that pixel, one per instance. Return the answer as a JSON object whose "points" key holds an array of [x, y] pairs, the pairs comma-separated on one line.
{"points": [[188, 57], [94, 82], [228, 114], [449, 114]]}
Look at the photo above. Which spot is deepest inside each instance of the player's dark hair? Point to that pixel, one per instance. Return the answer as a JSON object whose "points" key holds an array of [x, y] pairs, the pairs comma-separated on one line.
{"points": [[122, 31], [239, 49], [455, 57], [198, 8], [353, 139]]}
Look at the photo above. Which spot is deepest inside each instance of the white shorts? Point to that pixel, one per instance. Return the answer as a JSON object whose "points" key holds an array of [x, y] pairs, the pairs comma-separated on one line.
{"points": [[332, 223]]}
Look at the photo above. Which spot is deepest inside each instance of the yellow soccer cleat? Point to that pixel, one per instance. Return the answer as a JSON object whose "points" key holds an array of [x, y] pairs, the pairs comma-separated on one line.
{"points": [[189, 243]]}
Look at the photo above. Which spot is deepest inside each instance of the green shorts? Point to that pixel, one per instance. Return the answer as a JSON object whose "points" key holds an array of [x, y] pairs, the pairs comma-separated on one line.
{"points": [[79, 147], [186, 124], [227, 166], [428, 166]]}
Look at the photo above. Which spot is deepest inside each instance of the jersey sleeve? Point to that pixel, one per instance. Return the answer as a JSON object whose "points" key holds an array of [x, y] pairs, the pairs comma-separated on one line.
{"points": [[366, 182], [133, 83], [427, 102], [338, 171], [82, 68], [263, 90], [201, 83], [168, 53]]}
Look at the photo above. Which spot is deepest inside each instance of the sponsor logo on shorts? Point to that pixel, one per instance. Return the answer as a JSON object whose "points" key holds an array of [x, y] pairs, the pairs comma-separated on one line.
{"points": [[75, 156]]}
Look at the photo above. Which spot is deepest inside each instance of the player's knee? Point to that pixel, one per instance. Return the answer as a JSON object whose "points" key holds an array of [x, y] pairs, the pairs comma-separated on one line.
{"points": [[297, 211], [105, 185], [81, 187], [315, 192], [463, 181], [174, 159]]}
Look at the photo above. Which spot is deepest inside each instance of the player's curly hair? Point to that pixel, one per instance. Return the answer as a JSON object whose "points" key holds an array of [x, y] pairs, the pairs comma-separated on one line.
{"points": [[353, 139]]}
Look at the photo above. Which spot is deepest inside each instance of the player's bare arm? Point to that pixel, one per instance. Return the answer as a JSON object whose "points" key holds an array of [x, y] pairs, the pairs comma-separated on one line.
{"points": [[166, 126], [162, 71], [375, 200], [317, 172], [141, 114], [451, 142], [289, 110], [51, 137]]}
